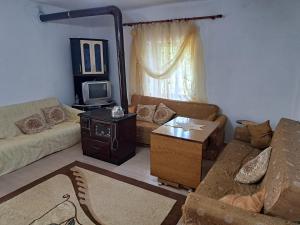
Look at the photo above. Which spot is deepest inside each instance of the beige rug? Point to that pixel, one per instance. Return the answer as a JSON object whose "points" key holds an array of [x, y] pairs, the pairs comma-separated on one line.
{"points": [[84, 194]]}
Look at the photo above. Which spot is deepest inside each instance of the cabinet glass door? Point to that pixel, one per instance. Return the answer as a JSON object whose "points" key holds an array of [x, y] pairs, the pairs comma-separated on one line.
{"points": [[87, 58], [98, 58], [92, 57]]}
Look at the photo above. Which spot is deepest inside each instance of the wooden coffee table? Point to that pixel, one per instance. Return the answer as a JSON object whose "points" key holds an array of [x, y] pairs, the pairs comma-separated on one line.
{"points": [[176, 152]]}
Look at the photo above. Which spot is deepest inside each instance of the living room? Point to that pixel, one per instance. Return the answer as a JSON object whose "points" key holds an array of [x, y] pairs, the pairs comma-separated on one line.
{"points": [[185, 169]]}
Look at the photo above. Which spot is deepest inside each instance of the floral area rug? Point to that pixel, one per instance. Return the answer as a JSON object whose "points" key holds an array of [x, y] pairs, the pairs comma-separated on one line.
{"points": [[81, 194]]}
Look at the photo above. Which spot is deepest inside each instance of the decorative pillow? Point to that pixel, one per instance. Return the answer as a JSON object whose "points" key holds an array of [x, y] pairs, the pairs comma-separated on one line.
{"points": [[246, 122], [252, 203], [145, 112], [261, 134], [54, 115], [242, 134], [32, 124], [255, 169], [163, 114]]}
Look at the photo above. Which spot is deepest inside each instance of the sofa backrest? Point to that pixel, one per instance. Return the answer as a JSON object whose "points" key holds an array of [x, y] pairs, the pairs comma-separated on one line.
{"points": [[282, 180], [188, 109], [12, 113]]}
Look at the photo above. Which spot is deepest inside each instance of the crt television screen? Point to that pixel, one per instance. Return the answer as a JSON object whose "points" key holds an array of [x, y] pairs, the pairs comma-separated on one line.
{"points": [[98, 90]]}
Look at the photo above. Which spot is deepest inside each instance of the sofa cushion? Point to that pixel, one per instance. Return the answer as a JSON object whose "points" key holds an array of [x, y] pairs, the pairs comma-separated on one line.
{"points": [[32, 124], [282, 180], [261, 134], [144, 130], [252, 203], [145, 112], [12, 113], [255, 169], [147, 125], [242, 134], [54, 114], [19, 151], [163, 114], [188, 109], [220, 179]]}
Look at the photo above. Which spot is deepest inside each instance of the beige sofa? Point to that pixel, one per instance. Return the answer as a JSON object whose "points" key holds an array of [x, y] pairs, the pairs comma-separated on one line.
{"points": [[282, 183], [194, 110], [18, 150]]}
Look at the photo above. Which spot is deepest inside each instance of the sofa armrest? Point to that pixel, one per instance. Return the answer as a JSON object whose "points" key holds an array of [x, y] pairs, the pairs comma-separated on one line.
{"points": [[221, 120], [72, 113], [202, 210], [132, 108], [217, 138]]}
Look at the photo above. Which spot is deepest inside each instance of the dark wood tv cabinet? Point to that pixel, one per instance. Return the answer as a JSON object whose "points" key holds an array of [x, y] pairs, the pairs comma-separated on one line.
{"points": [[93, 107], [107, 138]]}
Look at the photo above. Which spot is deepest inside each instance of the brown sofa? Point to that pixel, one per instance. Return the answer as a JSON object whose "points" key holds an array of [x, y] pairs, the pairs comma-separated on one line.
{"points": [[194, 110], [282, 183]]}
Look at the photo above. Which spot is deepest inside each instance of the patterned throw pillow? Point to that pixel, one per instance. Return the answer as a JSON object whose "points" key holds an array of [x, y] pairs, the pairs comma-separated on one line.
{"points": [[255, 169], [261, 135], [145, 112], [163, 114], [246, 122], [54, 115], [252, 203], [32, 124]]}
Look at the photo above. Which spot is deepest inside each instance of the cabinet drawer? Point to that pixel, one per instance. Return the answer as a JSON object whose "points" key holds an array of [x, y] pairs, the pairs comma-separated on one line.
{"points": [[96, 149]]}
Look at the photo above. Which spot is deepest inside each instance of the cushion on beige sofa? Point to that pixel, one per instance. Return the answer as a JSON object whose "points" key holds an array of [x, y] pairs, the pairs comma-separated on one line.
{"points": [[189, 109], [163, 114], [12, 113], [18, 150], [254, 170], [261, 134], [145, 112], [54, 114], [32, 124]]}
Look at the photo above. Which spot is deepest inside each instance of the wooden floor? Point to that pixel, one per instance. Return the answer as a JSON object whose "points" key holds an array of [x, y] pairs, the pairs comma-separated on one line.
{"points": [[137, 167]]}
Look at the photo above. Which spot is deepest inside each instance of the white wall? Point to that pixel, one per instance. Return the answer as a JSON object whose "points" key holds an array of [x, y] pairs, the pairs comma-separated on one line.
{"points": [[251, 56], [35, 57], [297, 100]]}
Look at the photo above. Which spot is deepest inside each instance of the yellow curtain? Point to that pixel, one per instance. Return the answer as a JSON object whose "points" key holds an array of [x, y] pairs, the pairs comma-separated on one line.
{"points": [[167, 61]]}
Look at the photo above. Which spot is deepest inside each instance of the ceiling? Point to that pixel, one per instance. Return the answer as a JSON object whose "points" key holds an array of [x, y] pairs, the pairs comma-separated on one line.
{"points": [[102, 21], [122, 4]]}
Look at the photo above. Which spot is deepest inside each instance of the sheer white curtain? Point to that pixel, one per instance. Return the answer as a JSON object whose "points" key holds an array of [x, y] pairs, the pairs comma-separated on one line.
{"points": [[167, 61]]}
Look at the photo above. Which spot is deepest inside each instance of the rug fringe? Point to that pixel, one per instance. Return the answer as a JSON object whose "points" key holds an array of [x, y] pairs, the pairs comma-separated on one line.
{"points": [[83, 194]]}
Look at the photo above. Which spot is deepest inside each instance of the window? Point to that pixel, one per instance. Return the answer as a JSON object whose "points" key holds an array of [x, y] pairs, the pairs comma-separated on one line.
{"points": [[167, 61]]}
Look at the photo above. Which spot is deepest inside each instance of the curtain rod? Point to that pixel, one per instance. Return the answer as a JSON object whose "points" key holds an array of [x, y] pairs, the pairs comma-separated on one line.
{"points": [[213, 17]]}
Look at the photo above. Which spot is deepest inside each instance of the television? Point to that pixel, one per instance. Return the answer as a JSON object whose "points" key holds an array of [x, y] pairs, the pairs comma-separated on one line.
{"points": [[96, 92]]}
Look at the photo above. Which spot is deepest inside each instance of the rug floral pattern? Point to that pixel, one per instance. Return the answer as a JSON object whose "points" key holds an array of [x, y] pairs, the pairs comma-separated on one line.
{"points": [[79, 196]]}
